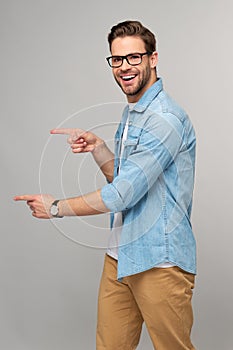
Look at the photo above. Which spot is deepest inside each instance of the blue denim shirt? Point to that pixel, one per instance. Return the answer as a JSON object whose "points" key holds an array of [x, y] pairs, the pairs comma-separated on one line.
{"points": [[155, 185]]}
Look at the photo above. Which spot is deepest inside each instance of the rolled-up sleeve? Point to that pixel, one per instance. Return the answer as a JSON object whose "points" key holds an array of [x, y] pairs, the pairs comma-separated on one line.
{"points": [[142, 164]]}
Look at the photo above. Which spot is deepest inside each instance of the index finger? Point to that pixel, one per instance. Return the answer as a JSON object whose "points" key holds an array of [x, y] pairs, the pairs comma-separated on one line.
{"points": [[61, 131], [26, 197]]}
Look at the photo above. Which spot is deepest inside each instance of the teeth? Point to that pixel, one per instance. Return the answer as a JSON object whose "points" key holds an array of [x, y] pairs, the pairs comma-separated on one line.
{"points": [[128, 77]]}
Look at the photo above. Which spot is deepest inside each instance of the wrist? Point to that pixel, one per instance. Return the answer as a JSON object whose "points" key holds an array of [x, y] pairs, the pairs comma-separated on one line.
{"points": [[100, 145]]}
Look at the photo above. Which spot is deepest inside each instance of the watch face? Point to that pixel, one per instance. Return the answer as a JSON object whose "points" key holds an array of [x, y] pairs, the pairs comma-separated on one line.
{"points": [[54, 210]]}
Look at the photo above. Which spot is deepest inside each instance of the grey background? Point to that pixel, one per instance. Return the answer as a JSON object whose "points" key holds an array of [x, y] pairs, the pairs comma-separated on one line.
{"points": [[53, 72]]}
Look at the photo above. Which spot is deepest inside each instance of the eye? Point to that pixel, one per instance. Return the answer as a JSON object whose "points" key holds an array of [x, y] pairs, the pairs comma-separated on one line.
{"points": [[135, 56], [116, 59]]}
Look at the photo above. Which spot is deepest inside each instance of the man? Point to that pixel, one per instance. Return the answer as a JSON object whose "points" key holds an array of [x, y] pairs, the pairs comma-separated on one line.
{"points": [[150, 263]]}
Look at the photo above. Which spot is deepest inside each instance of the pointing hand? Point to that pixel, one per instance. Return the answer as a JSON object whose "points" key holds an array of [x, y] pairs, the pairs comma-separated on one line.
{"points": [[80, 140], [39, 204]]}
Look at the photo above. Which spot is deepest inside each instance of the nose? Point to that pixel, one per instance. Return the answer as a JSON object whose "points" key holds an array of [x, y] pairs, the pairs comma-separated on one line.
{"points": [[125, 64]]}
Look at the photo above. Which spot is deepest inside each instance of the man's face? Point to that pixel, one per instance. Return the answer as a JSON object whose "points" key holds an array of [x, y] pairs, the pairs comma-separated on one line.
{"points": [[133, 80]]}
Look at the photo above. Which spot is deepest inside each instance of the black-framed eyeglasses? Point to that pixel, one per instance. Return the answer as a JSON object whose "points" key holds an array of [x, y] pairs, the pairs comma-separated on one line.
{"points": [[133, 59]]}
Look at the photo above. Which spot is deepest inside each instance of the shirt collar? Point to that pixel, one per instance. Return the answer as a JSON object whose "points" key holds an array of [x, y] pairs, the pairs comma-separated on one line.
{"points": [[149, 96]]}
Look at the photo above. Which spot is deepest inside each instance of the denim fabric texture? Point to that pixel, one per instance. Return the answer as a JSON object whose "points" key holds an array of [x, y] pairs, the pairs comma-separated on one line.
{"points": [[155, 186]]}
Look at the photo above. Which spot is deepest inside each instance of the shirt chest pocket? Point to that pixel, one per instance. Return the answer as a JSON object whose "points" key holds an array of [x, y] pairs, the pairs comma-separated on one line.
{"points": [[132, 141]]}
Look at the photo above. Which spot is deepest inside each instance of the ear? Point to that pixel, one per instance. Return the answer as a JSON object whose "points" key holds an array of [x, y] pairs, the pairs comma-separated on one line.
{"points": [[154, 59]]}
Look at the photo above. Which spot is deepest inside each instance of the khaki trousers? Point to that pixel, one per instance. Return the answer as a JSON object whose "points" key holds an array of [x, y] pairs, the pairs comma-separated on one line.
{"points": [[160, 297]]}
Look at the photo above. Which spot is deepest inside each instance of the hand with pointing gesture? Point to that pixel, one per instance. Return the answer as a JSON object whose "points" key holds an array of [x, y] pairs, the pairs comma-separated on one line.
{"points": [[38, 203], [80, 140]]}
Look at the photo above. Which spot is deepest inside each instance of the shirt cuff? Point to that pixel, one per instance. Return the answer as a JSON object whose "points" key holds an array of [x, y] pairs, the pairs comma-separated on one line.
{"points": [[111, 198]]}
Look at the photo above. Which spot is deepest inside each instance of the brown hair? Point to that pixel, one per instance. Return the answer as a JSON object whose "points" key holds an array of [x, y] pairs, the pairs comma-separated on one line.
{"points": [[133, 28]]}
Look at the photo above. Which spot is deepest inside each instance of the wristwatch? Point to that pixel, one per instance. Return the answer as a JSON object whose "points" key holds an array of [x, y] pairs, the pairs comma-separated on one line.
{"points": [[54, 211]]}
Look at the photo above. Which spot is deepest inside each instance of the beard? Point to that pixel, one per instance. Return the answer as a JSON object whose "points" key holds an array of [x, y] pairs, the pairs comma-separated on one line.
{"points": [[143, 78]]}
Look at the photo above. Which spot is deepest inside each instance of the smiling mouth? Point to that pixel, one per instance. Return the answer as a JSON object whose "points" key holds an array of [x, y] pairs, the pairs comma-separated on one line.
{"points": [[128, 77]]}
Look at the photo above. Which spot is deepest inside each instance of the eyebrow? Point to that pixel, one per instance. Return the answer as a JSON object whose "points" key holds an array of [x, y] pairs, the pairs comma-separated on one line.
{"points": [[132, 53]]}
